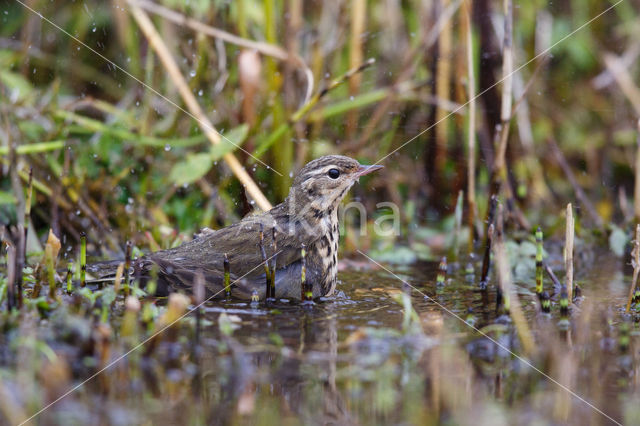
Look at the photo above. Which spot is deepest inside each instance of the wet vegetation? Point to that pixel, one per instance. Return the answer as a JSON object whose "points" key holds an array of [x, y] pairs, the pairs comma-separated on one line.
{"points": [[510, 138]]}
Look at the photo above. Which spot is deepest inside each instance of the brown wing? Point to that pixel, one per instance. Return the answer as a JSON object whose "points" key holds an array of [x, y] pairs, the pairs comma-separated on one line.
{"points": [[240, 242]]}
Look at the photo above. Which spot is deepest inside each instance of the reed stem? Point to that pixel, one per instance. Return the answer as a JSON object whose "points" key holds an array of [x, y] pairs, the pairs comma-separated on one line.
{"points": [[568, 251], [471, 130], [511, 303], [486, 261], [267, 272], [458, 226], [272, 274], [69, 278], [227, 277], [545, 302], [357, 29], [127, 266], [635, 261], [51, 278], [442, 272], [442, 89], [83, 259], [307, 288], [636, 194], [27, 220], [539, 268], [11, 275], [564, 302]]}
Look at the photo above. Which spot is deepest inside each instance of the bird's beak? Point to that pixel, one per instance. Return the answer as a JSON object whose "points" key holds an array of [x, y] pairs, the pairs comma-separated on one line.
{"points": [[365, 170]]}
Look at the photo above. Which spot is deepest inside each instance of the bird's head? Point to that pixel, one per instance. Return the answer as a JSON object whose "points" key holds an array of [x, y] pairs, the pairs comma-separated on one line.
{"points": [[322, 183]]}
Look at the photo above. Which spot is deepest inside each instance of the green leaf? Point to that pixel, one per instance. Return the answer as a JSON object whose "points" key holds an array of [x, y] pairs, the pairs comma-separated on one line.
{"points": [[231, 140], [108, 296], [191, 169], [618, 241], [398, 255], [17, 84], [7, 198], [34, 148], [228, 323]]}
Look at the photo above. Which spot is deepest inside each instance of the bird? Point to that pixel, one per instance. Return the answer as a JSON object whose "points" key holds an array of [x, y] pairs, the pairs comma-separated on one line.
{"points": [[308, 217]]}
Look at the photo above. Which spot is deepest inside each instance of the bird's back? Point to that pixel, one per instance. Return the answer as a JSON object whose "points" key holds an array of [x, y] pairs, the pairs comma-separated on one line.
{"points": [[240, 242]]}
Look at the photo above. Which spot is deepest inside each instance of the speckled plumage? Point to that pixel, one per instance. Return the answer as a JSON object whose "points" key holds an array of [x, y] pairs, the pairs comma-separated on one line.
{"points": [[308, 215]]}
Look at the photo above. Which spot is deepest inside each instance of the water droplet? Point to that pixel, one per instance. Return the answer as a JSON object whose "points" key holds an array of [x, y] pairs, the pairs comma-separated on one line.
{"points": [[167, 147], [200, 92], [192, 73]]}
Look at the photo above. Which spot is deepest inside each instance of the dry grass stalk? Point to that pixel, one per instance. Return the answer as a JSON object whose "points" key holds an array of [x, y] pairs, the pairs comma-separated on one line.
{"points": [[11, 275], [507, 63], [471, 131], [621, 74], [192, 104], [636, 193], [635, 261], [410, 62], [118, 280], [568, 251], [506, 284], [358, 18], [443, 89], [507, 92], [264, 48]]}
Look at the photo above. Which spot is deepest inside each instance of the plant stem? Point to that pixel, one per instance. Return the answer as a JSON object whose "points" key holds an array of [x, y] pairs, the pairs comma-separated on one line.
{"points": [[227, 276], [442, 272], [69, 279], [193, 106], [267, 272], [539, 270], [568, 252], [83, 259], [307, 288], [471, 130], [272, 275], [635, 261]]}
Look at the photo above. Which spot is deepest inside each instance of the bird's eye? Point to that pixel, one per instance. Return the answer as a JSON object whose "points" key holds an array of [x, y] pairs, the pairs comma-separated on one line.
{"points": [[333, 173]]}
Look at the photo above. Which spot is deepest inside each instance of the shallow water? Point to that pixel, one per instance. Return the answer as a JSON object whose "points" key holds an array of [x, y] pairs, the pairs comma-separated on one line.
{"points": [[356, 358], [390, 347]]}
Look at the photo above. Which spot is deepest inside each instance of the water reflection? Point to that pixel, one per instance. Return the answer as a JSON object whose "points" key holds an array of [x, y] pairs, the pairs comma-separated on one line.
{"points": [[352, 359]]}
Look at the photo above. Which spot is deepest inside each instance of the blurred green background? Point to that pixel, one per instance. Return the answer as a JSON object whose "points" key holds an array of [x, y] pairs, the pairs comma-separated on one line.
{"points": [[114, 158]]}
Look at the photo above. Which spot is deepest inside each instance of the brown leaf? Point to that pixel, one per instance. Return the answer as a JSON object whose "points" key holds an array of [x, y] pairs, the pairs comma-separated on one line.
{"points": [[54, 243]]}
